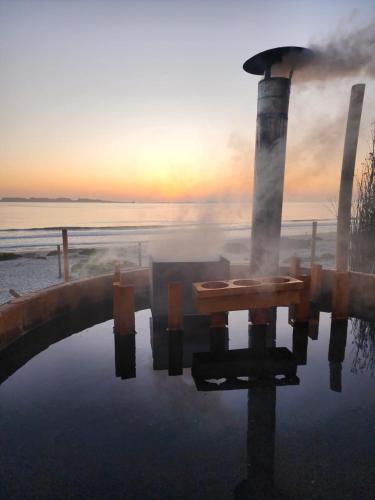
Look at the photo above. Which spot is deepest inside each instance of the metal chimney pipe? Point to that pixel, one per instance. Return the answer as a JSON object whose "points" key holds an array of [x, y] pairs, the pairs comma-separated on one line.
{"points": [[272, 121], [347, 175]]}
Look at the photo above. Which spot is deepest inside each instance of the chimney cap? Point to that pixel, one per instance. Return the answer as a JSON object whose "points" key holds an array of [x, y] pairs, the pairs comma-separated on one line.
{"points": [[261, 63]]}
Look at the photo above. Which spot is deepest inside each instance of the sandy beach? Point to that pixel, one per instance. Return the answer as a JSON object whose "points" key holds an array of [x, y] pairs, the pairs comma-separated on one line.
{"points": [[29, 271]]}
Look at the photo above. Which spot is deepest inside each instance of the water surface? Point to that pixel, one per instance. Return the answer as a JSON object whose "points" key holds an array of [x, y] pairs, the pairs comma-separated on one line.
{"points": [[69, 428]]}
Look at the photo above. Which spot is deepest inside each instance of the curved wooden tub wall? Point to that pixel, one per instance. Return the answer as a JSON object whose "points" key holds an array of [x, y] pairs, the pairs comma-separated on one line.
{"points": [[90, 301], [21, 315]]}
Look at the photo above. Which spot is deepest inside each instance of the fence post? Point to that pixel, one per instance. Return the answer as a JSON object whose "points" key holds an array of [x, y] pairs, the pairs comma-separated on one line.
{"points": [[139, 253], [59, 260], [295, 266], [66, 254], [313, 241]]}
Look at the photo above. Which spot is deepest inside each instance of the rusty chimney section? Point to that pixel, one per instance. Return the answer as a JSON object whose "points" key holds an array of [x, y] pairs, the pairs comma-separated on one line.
{"points": [[271, 133]]}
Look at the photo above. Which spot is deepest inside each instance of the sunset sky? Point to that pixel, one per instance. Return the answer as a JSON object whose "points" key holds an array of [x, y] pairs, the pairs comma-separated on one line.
{"points": [[147, 100]]}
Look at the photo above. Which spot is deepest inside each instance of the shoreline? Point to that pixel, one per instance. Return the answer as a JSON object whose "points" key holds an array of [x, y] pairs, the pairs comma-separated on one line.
{"points": [[29, 270]]}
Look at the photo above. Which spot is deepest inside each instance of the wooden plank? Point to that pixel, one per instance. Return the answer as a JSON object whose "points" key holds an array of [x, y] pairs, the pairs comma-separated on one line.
{"points": [[301, 311], [340, 295], [218, 320], [123, 308], [175, 306], [237, 303], [259, 316], [269, 284], [316, 282]]}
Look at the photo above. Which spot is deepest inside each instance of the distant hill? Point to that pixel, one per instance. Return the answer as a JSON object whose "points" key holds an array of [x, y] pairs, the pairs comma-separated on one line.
{"points": [[57, 200]]}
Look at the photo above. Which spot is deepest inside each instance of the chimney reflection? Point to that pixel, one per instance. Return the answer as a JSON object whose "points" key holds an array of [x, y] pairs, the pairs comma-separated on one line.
{"points": [[262, 364], [261, 424], [336, 353]]}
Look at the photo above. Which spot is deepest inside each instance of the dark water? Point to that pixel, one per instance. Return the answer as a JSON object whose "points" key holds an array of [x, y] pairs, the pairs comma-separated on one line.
{"points": [[69, 428]]}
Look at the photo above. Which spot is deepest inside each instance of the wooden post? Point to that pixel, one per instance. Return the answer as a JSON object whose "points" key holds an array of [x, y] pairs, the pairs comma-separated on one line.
{"points": [[301, 311], [59, 260], [117, 274], [340, 295], [139, 253], [294, 271], [218, 320], [347, 175], [313, 241], [123, 308], [175, 306], [295, 266], [66, 254], [316, 282], [259, 317]]}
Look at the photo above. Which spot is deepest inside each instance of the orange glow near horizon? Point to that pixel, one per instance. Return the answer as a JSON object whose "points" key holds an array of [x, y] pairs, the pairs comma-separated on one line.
{"points": [[148, 101], [164, 183], [160, 167]]}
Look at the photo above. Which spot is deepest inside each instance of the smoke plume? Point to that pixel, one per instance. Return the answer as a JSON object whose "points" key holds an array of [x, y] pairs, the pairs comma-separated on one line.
{"points": [[345, 54]]}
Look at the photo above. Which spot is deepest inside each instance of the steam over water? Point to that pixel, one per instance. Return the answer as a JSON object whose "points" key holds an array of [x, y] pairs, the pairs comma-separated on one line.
{"points": [[36, 225]]}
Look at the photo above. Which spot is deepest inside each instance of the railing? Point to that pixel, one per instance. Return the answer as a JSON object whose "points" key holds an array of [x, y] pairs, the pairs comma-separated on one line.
{"points": [[38, 255]]}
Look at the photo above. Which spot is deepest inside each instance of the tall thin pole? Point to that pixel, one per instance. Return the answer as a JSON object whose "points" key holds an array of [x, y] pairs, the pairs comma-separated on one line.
{"points": [[313, 241], [139, 253], [66, 254], [59, 259], [347, 176]]}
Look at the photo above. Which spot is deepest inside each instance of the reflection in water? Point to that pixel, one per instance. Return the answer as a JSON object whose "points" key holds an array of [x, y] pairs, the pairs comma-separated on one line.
{"points": [[195, 337], [125, 356], [26, 347], [258, 369], [175, 352], [314, 323], [336, 352], [300, 342], [364, 346], [262, 363]]}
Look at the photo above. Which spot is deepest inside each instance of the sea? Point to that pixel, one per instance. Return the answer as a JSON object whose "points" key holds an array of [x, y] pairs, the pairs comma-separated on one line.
{"points": [[29, 226]]}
